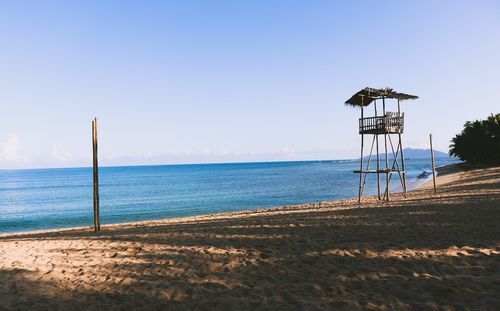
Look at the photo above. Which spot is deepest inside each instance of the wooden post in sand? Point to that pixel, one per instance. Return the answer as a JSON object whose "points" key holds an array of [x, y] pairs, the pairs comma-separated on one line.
{"points": [[97, 221], [433, 165]]}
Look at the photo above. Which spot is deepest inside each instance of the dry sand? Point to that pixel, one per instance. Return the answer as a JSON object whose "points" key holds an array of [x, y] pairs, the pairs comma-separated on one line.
{"points": [[423, 252]]}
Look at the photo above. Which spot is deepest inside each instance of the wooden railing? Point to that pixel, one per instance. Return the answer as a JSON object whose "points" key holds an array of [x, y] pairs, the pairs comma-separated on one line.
{"points": [[392, 122]]}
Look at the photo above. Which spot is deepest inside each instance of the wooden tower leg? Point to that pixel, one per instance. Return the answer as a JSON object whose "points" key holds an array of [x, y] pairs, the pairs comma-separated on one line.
{"points": [[386, 168], [361, 159], [378, 168], [367, 166], [378, 156], [400, 130], [361, 169], [386, 155], [395, 165], [402, 164]]}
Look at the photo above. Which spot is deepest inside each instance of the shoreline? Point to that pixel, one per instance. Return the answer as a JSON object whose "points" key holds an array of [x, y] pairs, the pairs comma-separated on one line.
{"points": [[445, 174], [187, 219]]}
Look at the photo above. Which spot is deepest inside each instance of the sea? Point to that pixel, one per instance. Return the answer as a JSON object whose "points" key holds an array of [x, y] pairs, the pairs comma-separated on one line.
{"points": [[35, 199]]}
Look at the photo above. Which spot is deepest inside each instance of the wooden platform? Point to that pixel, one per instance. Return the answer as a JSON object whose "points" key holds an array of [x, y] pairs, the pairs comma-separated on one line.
{"points": [[381, 171], [390, 123]]}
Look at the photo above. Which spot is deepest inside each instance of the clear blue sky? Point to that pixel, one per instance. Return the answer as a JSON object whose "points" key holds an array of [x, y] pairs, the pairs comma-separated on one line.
{"points": [[217, 81]]}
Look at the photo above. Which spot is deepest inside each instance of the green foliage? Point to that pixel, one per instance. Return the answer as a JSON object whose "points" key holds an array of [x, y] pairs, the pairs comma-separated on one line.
{"points": [[479, 141]]}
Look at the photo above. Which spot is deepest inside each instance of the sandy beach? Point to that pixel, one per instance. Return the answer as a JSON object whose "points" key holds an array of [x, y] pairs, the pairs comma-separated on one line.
{"points": [[423, 252]]}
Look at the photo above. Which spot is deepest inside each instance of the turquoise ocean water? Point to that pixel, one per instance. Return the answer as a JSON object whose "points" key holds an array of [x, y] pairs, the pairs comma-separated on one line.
{"points": [[56, 198]]}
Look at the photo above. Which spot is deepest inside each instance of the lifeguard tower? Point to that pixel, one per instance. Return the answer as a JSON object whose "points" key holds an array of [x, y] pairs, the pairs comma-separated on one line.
{"points": [[386, 124]]}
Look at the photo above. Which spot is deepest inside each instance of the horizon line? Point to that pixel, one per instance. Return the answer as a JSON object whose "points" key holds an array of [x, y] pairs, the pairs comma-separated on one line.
{"points": [[194, 164]]}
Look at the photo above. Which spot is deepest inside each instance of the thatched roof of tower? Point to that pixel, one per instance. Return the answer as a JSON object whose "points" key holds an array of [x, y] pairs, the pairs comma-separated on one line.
{"points": [[368, 94]]}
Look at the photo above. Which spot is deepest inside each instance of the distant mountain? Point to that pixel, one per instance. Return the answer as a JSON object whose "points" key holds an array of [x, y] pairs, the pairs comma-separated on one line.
{"points": [[411, 153], [423, 153]]}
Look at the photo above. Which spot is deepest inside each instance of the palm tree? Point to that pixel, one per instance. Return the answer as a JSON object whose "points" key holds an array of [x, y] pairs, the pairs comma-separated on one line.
{"points": [[479, 141]]}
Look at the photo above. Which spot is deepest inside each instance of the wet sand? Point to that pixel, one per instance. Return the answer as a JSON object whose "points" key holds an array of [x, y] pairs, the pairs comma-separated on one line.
{"points": [[445, 175], [423, 252]]}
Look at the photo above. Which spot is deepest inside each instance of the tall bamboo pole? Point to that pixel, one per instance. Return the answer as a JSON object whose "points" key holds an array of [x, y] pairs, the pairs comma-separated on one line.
{"points": [[433, 165], [97, 222], [93, 175]]}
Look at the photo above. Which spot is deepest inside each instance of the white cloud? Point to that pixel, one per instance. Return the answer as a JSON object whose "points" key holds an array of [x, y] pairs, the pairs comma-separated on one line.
{"points": [[61, 156], [288, 151], [10, 149]]}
